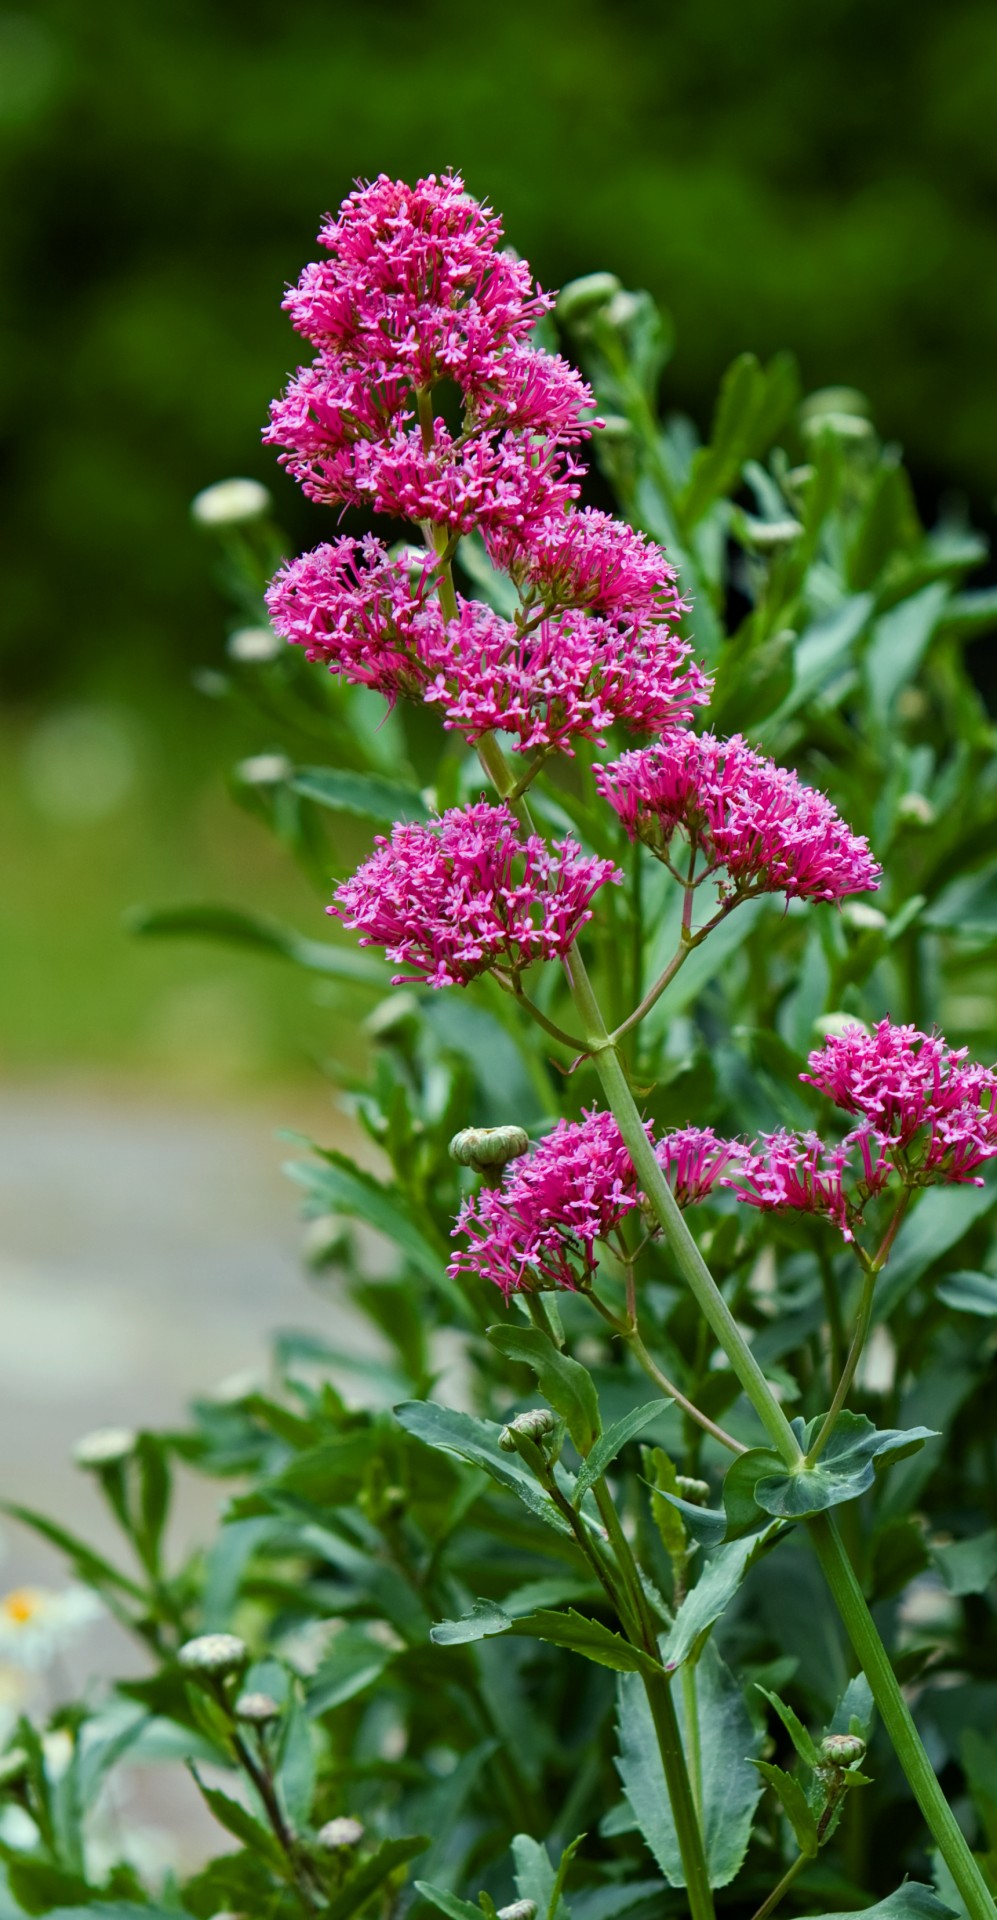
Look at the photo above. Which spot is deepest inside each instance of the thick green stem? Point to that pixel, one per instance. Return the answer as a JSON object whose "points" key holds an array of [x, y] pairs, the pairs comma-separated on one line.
{"points": [[896, 1718]]}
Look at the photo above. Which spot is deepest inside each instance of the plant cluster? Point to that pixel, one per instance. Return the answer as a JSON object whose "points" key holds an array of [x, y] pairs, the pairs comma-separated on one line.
{"points": [[675, 1587]]}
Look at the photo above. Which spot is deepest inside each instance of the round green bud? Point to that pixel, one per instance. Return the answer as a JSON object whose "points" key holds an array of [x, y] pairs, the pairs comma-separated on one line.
{"points": [[484, 1147], [230, 503], [696, 1491], [342, 1832], [215, 1655], [107, 1447], [842, 1749], [258, 1709], [583, 296], [532, 1425]]}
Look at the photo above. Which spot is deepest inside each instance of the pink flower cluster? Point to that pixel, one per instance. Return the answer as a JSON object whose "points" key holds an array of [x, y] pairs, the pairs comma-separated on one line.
{"points": [[556, 1205], [417, 292], [469, 892], [748, 817], [932, 1109], [801, 1173], [547, 680]]}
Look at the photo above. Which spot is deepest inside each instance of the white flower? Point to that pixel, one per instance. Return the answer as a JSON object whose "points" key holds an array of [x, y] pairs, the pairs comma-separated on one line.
{"points": [[36, 1622], [250, 644], [230, 503]]}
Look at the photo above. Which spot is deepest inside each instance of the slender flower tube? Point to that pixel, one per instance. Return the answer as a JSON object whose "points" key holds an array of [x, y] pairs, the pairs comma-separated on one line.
{"points": [[470, 892], [758, 828]]}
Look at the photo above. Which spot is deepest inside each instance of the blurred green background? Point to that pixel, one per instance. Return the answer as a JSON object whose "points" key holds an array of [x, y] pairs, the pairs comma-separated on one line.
{"points": [[822, 178]]}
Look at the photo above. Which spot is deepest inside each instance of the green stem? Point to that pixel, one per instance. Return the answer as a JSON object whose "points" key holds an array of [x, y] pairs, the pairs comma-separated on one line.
{"points": [[783, 1887], [653, 994], [896, 1718], [690, 1706], [629, 1333], [864, 1316]]}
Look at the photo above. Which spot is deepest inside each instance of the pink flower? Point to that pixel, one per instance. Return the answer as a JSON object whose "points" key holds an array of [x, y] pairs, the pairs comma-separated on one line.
{"points": [[801, 1173], [585, 558], [417, 292], [746, 815], [556, 1205], [469, 892], [378, 622], [938, 1114]]}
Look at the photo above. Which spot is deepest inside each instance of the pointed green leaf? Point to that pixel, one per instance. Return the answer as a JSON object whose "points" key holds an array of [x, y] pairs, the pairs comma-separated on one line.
{"points": [[484, 1619], [731, 1788], [794, 1806], [366, 1878], [367, 794], [968, 1566], [236, 928], [612, 1442], [446, 1902], [912, 1901], [564, 1383], [969, 1293], [477, 1442], [805, 1746], [845, 1469], [713, 1592], [238, 1820]]}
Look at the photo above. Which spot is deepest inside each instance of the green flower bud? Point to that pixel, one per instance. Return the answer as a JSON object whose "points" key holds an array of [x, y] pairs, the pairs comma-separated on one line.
{"points": [[533, 1425], [257, 1708], [842, 1749], [230, 503], [342, 1832], [107, 1447], [696, 1491], [582, 297], [214, 1655], [485, 1147]]}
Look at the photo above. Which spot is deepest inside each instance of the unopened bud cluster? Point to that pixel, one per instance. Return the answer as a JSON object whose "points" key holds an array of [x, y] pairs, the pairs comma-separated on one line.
{"points": [[485, 1147], [842, 1749], [533, 1425], [214, 1655]]}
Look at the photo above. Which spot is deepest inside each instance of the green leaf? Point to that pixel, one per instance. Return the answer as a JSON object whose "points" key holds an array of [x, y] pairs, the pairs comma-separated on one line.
{"points": [[448, 1903], [329, 1475], [912, 1901], [611, 1443], [823, 650], [731, 1788], [367, 794], [662, 1478], [366, 1878], [979, 1764], [968, 1566], [941, 1219], [805, 1746], [968, 1292], [702, 1524], [714, 1590], [794, 1805], [536, 1879], [484, 1619], [581, 1635], [753, 404], [477, 1442], [352, 1663], [237, 1819], [898, 644], [89, 1565], [563, 1382], [345, 1188], [846, 1468], [967, 907], [236, 928], [39, 1887]]}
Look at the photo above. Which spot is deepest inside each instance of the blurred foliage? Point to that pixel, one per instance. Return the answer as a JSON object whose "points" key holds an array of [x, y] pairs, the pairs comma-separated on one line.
{"points": [[823, 175]]}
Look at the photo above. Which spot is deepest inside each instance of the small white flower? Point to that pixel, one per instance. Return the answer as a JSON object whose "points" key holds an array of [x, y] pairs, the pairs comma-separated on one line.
{"points": [[36, 1622], [107, 1447], [251, 644], [230, 503], [264, 769]]}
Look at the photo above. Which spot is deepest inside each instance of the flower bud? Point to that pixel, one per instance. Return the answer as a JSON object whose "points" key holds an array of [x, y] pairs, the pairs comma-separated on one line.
{"points": [[342, 1832], [532, 1425], [252, 645], [106, 1447], [215, 1655], [583, 296], [915, 810], [13, 1768], [483, 1147], [259, 1709], [518, 1910], [264, 770], [862, 918], [230, 503], [842, 1749], [696, 1491]]}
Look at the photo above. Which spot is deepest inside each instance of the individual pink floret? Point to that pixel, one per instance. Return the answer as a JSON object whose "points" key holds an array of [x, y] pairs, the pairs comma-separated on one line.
{"points": [[749, 818], [801, 1173], [937, 1109], [469, 892], [555, 1206]]}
